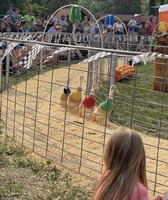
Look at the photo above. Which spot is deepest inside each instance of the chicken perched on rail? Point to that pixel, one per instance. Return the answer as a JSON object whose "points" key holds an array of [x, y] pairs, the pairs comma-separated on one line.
{"points": [[104, 109], [74, 99], [88, 103]]}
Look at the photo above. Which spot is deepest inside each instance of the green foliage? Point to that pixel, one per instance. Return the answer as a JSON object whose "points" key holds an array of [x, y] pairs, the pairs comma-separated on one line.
{"points": [[96, 7], [123, 7], [44, 7]]}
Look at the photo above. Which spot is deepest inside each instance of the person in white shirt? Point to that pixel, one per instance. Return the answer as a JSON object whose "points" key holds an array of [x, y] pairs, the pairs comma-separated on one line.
{"points": [[118, 29]]}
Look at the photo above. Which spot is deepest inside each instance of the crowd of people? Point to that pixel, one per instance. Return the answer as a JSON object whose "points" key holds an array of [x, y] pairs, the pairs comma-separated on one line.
{"points": [[112, 33], [13, 21]]}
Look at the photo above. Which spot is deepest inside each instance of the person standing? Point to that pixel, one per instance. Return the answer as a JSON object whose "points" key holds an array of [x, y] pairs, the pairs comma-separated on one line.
{"points": [[12, 14], [118, 29], [37, 25], [30, 18], [86, 25], [150, 26], [134, 27], [2, 26], [79, 27], [138, 26], [55, 28], [63, 23], [70, 25], [24, 27], [47, 22], [8, 23]]}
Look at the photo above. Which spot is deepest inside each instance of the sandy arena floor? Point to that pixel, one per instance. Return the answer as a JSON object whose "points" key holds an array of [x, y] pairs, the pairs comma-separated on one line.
{"points": [[35, 119]]}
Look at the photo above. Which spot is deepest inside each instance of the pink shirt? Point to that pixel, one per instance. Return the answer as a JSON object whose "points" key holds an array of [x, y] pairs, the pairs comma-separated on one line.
{"points": [[139, 192], [149, 27]]}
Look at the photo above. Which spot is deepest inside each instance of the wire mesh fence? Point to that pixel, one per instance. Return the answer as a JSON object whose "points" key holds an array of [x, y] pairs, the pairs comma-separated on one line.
{"points": [[33, 116]]}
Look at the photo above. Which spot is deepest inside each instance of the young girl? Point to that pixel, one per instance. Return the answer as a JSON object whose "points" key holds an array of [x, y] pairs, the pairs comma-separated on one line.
{"points": [[125, 174]]}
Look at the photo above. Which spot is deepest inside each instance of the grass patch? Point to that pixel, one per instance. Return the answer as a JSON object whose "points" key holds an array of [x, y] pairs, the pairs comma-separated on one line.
{"points": [[137, 105], [22, 177]]}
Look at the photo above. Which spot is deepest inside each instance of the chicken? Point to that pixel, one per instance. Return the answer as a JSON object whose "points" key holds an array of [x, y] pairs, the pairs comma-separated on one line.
{"points": [[104, 109], [64, 95], [74, 99], [87, 103]]}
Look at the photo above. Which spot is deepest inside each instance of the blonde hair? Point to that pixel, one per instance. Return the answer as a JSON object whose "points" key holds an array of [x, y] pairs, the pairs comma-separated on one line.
{"points": [[125, 163]]}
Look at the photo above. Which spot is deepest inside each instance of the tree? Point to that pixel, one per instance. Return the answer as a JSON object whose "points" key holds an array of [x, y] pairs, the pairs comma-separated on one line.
{"points": [[127, 7], [151, 4]]}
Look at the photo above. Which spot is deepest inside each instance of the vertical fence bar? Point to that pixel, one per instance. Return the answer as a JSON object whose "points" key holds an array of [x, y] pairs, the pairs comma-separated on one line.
{"points": [[24, 112], [7, 69], [82, 141], [89, 76], [0, 93], [101, 69], [159, 137], [133, 98], [36, 109], [112, 68], [0, 75], [66, 109], [96, 72], [49, 113], [7, 102], [14, 119], [41, 61], [128, 41]]}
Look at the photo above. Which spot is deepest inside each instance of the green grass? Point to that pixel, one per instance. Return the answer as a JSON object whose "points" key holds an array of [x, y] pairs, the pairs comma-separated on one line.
{"points": [[22, 177], [137, 105]]}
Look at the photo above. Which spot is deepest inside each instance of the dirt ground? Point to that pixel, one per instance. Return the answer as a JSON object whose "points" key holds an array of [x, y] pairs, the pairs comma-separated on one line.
{"points": [[34, 118]]}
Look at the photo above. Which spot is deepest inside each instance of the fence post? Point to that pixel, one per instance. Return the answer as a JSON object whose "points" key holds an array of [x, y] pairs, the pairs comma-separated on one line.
{"points": [[0, 92], [7, 69], [114, 59], [133, 98], [0, 74], [101, 70], [128, 41], [41, 61], [89, 75]]}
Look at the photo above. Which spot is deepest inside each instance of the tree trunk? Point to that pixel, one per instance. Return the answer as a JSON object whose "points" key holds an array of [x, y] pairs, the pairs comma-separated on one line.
{"points": [[151, 4]]}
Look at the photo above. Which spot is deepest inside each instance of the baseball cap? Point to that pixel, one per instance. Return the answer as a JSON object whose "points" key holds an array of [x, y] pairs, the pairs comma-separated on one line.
{"points": [[6, 16], [136, 15], [151, 16]]}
